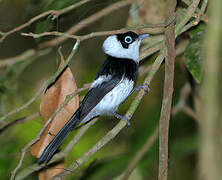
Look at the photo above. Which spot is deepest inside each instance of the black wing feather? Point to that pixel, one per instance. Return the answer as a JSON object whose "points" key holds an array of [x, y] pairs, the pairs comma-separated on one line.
{"points": [[95, 95]]}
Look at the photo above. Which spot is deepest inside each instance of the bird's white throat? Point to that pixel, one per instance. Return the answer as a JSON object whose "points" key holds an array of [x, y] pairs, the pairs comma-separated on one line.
{"points": [[113, 47]]}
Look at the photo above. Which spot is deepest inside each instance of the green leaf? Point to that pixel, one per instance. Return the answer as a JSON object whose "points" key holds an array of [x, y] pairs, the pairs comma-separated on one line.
{"points": [[194, 57]]}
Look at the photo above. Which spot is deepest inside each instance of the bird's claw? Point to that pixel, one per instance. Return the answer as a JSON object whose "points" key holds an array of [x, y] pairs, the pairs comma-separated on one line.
{"points": [[122, 117], [144, 86]]}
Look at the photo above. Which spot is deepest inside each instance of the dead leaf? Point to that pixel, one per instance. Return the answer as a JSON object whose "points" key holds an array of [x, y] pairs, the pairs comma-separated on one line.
{"points": [[51, 100]]}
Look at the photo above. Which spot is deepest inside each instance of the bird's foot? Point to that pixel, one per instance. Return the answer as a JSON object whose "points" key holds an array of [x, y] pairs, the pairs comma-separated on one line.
{"points": [[122, 117], [144, 86]]}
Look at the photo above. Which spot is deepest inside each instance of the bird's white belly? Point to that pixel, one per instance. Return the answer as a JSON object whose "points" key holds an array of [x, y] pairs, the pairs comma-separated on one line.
{"points": [[112, 100]]}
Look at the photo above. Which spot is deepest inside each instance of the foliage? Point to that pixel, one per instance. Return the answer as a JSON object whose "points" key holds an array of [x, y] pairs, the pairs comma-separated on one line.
{"points": [[194, 56]]}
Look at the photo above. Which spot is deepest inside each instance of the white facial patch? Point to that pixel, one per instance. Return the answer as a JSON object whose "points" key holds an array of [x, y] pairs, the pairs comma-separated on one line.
{"points": [[113, 47]]}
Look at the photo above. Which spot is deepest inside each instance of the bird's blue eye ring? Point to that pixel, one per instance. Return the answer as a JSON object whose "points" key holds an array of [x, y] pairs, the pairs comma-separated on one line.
{"points": [[128, 39]]}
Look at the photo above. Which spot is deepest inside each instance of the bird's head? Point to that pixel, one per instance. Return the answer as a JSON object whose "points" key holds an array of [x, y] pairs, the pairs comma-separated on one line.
{"points": [[124, 45]]}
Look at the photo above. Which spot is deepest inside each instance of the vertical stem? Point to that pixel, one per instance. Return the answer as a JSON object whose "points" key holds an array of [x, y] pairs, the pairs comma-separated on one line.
{"points": [[211, 125], [166, 103]]}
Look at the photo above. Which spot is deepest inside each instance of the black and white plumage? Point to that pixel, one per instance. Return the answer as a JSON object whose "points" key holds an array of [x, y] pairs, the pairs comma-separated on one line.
{"points": [[114, 82]]}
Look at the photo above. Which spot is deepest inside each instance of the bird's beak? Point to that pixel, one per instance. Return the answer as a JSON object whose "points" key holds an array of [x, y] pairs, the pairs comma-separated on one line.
{"points": [[142, 36]]}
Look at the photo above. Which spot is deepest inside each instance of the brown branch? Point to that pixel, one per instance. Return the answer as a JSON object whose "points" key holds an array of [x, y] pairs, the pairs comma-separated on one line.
{"points": [[166, 103], [197, 19], [203, 16], [86, 22], [18, 121], [181, 105], [58, 13], [140, 154], [145, 27], [103, 33], [25, 55], [5, 126], [87, 36], [52, 33], [54, 13], [191, 113], [187, 16]]}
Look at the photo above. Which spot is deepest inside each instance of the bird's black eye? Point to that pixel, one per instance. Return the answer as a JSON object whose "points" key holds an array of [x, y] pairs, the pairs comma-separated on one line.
{"points": [[128, 39]]}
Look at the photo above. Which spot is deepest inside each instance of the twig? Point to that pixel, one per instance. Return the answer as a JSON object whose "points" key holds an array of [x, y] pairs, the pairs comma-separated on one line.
{"points": [[203, 16], [86, 22], [24, 150], [140, 154], [184, 93], [22, 120], [26, 55], [156, 48], [18, 121], [103, 33], [52, 33], [59, 156], [189, 14], [31, 52], [44, 87], [93, 34], [54, 13], [191, 113], [181, 105], [166, 103], [197, 18]]}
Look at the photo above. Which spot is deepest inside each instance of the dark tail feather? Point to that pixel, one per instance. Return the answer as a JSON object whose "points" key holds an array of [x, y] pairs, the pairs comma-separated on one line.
{"points": [[58, 139]]}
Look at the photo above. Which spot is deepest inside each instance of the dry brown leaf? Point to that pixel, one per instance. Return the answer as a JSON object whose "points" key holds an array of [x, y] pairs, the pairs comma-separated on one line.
{"points": [[51, 100], [50, 172]]}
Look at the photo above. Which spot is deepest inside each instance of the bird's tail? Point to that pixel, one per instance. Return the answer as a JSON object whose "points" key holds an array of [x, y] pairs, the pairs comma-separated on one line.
{"points": [[59, 138]]}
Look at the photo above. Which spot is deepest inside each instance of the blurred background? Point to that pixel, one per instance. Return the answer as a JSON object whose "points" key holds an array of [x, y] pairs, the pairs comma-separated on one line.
{"points": [[21, 80]]}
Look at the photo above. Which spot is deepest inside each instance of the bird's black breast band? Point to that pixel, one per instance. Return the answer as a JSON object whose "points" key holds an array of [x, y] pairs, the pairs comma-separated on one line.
{"points": [[119, 66]]}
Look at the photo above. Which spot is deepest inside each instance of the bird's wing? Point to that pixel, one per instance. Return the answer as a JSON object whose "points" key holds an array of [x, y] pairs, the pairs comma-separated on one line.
{"points": [[95, 94]]}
